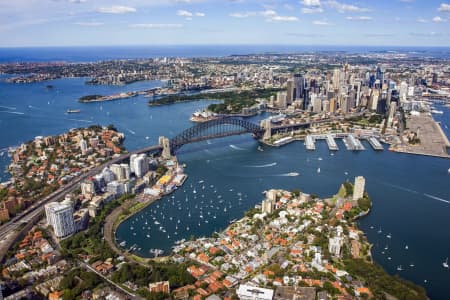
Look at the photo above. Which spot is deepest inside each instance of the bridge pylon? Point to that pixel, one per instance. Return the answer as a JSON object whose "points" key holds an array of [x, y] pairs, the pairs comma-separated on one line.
{"points": [[165, 144], [267, 126]]}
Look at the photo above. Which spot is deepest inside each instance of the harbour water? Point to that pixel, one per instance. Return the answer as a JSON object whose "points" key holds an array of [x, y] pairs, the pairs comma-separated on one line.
{"points": [[411, 194]]}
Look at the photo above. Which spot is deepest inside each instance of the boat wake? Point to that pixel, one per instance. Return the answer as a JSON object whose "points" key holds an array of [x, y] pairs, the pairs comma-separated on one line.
{"points": [[292, 174], [437, 198], [12, 112], [263, 166], [400, 188], [8, 107], [237, 148], [131, 131], [79, 120]]}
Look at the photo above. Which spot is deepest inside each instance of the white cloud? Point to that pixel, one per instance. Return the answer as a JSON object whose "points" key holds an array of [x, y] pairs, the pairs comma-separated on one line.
{"points": [[438, 19], [283, 18], [315, 10], [240, 15], [321, 23], [269, 14], [116, 9], [343, 7], [311, 2], [359, 18], [155, 25], [89, 24], [422, 20], [184, 13], [77, 1], [199, 14], [272, 15], [407, 1], [444, 7]]}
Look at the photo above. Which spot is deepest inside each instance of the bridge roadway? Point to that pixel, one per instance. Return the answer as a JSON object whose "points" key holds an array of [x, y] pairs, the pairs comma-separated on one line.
{"points": [[8, 229]]}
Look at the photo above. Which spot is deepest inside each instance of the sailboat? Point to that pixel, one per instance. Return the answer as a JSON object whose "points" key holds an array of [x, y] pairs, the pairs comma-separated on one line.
{"points": [[399, 268], [318, 170], [445, 263]]}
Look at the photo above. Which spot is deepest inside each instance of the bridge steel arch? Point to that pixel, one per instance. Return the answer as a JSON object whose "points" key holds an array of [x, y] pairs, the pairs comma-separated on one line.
{"points": [[212, 129]]}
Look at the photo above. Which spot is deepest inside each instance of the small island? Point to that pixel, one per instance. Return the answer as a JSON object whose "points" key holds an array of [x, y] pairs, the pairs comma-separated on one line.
{"points": [[101, 98]]}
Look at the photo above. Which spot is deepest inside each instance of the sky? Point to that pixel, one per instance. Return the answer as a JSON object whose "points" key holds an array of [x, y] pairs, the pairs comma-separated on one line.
{"points": [[28, 23]]}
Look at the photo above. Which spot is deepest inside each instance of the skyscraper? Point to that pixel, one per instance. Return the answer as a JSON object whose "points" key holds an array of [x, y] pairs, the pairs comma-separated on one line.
{"points": [[60, 217], [290, 96]]}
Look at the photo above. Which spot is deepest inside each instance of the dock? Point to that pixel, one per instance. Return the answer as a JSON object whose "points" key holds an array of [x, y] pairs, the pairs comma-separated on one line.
{"points": [[376, 145], [310, 143], [331, 143], [353, 143]]}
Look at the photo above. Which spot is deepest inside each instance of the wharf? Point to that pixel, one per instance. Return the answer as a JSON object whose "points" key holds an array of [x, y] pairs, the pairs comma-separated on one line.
{"points": [[331, 143], [353, 143], [376, 145], [310, 143]]}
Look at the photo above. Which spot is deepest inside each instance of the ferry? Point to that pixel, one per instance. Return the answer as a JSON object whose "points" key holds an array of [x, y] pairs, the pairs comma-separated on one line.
{"points": [[73, 111]]}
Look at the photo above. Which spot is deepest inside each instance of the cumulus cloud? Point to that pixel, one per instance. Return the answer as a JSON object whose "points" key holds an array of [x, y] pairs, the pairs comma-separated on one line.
{"points": [[156, 25], [116, 9], [444, 7], [359, 18], [184, 13], [77, 1], [438, 19], [343, 7], [422, 20], [311, 2]]}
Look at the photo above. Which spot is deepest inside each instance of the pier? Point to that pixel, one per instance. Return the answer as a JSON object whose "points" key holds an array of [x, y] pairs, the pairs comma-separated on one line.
{"points": [[353, 143], [376, 145], [331, 143], [310, 143]]}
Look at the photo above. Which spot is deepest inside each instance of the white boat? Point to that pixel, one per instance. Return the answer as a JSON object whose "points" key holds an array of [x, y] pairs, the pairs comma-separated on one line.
{"points": [[399, 268], [157, 223], [406, 247], [260, 148], [318, 170], [291, 174], [411, 265], [320, 158], [438, 112], [445, 263], [389, 236], [122, 244]]}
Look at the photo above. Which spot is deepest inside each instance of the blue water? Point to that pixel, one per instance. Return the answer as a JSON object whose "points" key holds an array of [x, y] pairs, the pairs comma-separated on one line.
{"points": [[84, 54], [410, 193]]}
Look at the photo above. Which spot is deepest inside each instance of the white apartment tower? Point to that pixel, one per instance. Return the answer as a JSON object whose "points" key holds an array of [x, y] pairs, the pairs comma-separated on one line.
{"points": [[358, 189], [60, 217]]}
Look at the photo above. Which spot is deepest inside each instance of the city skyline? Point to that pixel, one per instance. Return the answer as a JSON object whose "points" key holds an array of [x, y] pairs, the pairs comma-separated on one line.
{"points": [[191, 22]]}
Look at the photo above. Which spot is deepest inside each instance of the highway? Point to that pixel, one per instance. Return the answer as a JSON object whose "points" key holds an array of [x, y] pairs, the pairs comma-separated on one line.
{"points": [[30, 214]]}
